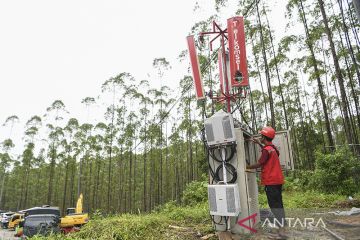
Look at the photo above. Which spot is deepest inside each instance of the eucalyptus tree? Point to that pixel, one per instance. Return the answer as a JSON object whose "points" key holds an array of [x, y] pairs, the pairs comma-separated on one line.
{"points": [[339, 76], [346, 55], [175, 152], [7, 145], [274, 63], [256, 72], [266, 64], [168, 105], [27, 158], [55, 110], [98, 146], [153, 136], [295, 90], [187, 124], [120, 175], [162, 65], [12, 120], [82, 136], [157, 96], [312, 61], [145, 101], [116, 86], [32, 129], [101, 130], [88, 101], [55, 137], [5, 161], [70, 146], [129, 137], [345, 30]]}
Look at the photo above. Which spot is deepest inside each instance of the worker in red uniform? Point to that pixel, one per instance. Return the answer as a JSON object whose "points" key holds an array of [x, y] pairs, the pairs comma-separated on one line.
{"points": [[271, 177]]}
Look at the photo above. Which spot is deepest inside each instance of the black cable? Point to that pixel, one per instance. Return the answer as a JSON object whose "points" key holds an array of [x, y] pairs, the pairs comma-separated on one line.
{"points": [[217, 223], [212, 172], [226, 222], [243, 117], [229, 168], [218, 150]]}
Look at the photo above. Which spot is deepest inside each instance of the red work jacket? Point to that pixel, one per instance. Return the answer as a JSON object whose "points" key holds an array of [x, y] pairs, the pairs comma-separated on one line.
{"points": [[271, 173]]}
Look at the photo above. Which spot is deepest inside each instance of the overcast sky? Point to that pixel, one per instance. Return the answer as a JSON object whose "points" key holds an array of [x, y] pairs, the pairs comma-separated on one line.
{"points": [[66, 49]]}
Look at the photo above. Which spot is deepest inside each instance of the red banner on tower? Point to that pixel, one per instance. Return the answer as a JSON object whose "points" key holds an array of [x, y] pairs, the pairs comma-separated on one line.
{"points": [[199, 89], [237, 50]]}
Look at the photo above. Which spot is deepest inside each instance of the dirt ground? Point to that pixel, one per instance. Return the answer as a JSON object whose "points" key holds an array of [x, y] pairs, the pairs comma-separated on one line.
{"points": [[6, 234], [344, 227]]}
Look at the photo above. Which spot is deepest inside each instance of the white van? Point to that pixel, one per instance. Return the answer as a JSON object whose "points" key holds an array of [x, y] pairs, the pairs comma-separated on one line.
{"points": [[5, 218]]}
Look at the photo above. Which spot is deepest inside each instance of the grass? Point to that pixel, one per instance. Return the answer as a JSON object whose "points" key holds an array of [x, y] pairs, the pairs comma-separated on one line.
{"points": [[305, 199], [191, 220]]}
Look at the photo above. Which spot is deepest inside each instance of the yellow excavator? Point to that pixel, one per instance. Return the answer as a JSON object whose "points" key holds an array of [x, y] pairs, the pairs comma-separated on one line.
{"points": [[74, 216]]}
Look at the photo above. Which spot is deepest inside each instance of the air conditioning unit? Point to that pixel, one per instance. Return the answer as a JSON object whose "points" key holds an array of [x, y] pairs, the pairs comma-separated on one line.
{"points": [[224, 200], [219, 129]]}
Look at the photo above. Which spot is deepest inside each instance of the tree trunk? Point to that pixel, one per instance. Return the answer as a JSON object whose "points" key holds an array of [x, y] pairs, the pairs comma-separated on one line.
{"points": [[51, 175], [304, 135], [356, 4], [145, 173], [2, 188], [316, 70], [261, 83], [267, 73], [80, 177], [65, 185], [349, 136], [277, 74], [130, 180], [135, 176], [348, 42]]}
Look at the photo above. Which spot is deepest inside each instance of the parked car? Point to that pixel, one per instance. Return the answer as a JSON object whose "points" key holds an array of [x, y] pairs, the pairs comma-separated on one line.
{"points": [[42, 210], [5, 218], [42, 224]]}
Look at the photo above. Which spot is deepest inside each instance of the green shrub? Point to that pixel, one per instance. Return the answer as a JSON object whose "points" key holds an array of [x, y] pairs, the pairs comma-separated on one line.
{"points": [[195, 213], [298, 180], [337, 172], [194, 193]]}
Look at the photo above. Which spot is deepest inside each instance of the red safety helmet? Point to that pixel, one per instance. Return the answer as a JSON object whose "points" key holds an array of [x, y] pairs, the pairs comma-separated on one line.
{"points": [[268, 132]]}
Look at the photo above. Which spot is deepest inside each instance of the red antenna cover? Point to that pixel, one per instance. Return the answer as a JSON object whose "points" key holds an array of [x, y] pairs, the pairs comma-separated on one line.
{"points": [[199, 89], [221, 71]]}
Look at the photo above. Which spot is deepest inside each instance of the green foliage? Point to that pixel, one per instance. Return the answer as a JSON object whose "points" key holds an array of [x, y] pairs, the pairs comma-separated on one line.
{"points": [[194, 193], [151, 226], [304, 199], [337, 172], [195, 213], [298, 180], [194, 216]]}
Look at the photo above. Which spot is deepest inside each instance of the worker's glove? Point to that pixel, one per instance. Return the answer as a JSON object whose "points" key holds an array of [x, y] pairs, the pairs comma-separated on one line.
{"points": [[256, 140]]}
